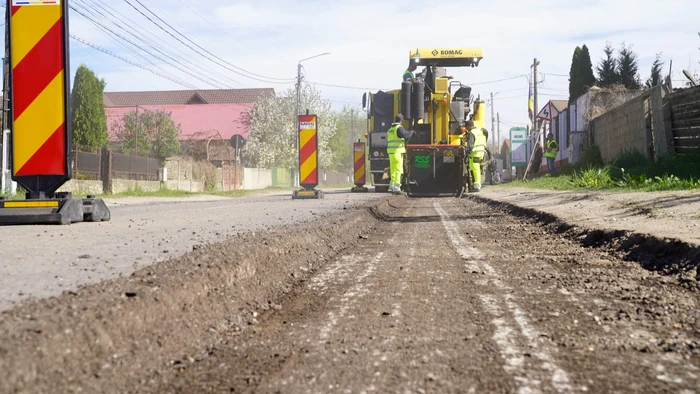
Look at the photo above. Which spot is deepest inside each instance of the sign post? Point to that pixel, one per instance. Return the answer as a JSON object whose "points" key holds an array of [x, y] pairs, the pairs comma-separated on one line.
{"points": [[39, 116], [359, 167], [308, 158], [518, 147]]}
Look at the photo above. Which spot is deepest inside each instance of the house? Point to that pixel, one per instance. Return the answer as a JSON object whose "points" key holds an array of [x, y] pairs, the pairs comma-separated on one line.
{"points": [[184, 97], [555, 114], [208, 119]]}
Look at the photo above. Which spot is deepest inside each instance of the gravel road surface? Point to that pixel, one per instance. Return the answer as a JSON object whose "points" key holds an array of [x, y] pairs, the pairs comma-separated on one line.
{"points": [[423, 295], [43, 261], [452, 296]]}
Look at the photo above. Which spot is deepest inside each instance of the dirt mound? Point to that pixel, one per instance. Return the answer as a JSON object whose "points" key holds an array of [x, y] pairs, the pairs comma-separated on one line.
{"points": [[663, 255], [114, 335]]}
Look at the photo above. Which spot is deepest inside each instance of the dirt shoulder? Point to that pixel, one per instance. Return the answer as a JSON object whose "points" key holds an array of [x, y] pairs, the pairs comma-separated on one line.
{"points": [[672, 215]]}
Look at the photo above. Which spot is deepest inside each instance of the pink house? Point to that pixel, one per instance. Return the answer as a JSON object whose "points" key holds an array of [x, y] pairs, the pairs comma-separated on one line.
{"points": [[205, 116]]}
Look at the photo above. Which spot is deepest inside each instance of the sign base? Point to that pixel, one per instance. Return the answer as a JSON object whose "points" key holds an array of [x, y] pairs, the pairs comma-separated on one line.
{"points": [[64, 209], [359, 189], [306, 194]]}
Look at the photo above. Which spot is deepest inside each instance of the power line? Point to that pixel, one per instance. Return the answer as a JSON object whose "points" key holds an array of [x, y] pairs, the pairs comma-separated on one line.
{"points": [[194, 11], [209, 81], [557, 75], [83, 41], [139, 54], [497, 80], [285, 80], [113, 19], [345, 87]]}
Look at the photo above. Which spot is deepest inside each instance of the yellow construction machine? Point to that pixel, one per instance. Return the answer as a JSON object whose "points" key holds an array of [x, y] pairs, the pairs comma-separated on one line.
{"points": [[436, 107]]}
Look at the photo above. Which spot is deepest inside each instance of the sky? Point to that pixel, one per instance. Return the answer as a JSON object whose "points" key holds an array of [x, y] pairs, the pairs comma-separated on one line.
{"points": [[369, 43]]}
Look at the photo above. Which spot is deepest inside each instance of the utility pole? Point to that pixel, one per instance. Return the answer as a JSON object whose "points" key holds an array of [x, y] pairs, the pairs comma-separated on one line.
{"points": [[493, 120], [534, 92], [296, 120], [138, 119], [535, 111], [498, 133]]}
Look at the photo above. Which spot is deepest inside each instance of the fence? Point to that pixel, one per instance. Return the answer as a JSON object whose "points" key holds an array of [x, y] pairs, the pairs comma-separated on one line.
{"points": [[85, 165], [640, 124], [113, 172], [683, 110]]}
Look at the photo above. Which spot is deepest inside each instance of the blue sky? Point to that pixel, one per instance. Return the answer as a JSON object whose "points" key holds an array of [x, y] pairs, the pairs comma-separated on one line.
{"points": [[369, 42]]}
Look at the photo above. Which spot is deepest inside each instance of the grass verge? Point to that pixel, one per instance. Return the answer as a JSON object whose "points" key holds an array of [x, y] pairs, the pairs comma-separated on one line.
{"points": [[628, 172]]}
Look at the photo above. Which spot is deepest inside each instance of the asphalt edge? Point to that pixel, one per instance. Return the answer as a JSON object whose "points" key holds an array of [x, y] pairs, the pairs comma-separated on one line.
{"points": [[667, 256]]}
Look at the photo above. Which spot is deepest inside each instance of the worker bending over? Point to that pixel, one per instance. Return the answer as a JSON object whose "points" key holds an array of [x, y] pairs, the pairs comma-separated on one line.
{"points": [[396, 148], [476, 147]]}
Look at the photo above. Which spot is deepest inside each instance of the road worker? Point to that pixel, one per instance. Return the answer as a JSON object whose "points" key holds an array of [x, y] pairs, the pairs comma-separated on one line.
{"points": [[476, 147], [408, 74], [396, 148], [551, 152]]}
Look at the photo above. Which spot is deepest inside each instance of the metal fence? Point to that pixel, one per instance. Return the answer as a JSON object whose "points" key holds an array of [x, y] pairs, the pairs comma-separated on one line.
{"points": [[86, 165], [685, 114], [134, 167]]}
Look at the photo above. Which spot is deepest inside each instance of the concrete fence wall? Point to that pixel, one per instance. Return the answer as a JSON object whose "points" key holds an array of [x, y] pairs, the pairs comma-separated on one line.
{"points": [[196, 177], [256, 178], [623, 129], [638, 125]]}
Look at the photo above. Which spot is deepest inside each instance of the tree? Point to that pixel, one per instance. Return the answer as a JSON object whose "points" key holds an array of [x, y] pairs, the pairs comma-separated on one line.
{"points": [[88, 119], [574, 75], [351, 125], [273, 131], [607, 68], [585, 70], [581, 74], [627, 68], [655, 77], [147, 132]]}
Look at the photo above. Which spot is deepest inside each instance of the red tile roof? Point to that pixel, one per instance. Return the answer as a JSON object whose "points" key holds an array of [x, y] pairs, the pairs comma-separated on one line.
{"points": [[197, 121], [174, 97]]}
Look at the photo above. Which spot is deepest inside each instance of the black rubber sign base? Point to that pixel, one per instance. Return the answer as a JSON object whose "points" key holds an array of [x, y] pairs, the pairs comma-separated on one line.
{"points": [[64, 209], [307, 194]]}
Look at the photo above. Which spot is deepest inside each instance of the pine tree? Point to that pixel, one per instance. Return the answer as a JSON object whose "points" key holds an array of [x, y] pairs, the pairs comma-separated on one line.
{"points": [[607, 68], [627, 68], [88, 119], [655, 77], [585, 73], [574, 78]]}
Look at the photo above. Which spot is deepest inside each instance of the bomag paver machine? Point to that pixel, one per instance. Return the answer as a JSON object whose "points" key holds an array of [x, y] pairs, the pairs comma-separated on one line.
{"points": [[436, 107]]}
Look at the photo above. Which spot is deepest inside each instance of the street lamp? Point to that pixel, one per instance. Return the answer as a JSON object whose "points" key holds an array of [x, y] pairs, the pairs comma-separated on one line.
{"points": [[296, 175]]}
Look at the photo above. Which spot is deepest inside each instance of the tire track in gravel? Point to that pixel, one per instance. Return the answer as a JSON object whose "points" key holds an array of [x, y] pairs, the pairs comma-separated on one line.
{"points": [[513, 345], [592, 309]]}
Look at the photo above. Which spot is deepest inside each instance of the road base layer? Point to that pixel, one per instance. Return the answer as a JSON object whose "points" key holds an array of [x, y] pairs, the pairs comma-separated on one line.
{"points": [[404, 295]]}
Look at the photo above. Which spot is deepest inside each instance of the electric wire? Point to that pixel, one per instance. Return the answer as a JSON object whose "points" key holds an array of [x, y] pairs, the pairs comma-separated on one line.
{"points": [[116, 56], [129, 29], [139, 54], [208, 81], [266, 79]]}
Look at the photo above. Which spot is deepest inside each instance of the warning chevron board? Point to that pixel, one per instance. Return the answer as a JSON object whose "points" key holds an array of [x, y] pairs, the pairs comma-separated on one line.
{"points": [[359, 157], [308, 150], [39, 95]]}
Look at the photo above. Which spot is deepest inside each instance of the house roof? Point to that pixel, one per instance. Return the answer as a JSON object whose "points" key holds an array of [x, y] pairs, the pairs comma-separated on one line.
{"points": [[181, 97], [197, 121], [560, 105]]}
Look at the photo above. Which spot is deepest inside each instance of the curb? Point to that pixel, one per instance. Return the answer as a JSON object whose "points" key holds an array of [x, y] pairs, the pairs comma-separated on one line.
{"points": [[666, 256]]}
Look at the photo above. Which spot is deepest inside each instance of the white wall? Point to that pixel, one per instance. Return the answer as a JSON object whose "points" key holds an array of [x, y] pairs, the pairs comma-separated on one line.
{"points": [[256, 178]]}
